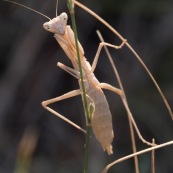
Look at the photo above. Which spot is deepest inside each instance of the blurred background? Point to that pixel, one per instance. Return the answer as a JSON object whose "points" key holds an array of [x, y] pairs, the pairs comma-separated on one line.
{"points": [[33, 140]]}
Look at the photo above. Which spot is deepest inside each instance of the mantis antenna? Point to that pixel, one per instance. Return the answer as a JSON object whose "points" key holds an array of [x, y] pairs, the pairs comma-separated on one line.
{"points": [[29, 8]]}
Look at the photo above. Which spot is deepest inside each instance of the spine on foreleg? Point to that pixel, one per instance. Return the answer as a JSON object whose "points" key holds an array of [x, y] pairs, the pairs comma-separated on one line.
{"points": [[102, 126]]}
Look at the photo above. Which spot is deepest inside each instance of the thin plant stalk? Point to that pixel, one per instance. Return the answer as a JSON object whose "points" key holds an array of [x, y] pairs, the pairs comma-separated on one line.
{"points": [[72, 15], [124, 100], [88, 113], [105, 170], [153, 159]]}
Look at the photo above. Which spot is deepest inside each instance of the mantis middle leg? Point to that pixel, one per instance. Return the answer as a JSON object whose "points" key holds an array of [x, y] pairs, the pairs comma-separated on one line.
{"points": [[101, 45]]}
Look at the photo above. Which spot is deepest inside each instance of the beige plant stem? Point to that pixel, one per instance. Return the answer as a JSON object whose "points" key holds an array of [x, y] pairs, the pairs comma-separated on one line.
{"points": [[124, 100], [137, 153], [153, 158]]}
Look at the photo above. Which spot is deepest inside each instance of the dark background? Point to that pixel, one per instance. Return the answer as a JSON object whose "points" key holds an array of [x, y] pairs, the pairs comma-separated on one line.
{"points": [[29, 75]]}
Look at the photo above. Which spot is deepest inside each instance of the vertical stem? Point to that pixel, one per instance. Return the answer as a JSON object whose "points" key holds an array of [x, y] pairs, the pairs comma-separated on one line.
{"points": [[133, 145], [87, 139], [70, 5], [71, 11], [153, 158]]}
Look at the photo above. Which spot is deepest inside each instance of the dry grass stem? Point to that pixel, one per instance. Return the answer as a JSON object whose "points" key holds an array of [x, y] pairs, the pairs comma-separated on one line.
{"points": [[153, 158], [135, 154]]}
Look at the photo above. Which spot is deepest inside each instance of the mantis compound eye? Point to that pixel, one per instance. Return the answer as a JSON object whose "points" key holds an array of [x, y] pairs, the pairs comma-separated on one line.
{"points": [[64, 17]]}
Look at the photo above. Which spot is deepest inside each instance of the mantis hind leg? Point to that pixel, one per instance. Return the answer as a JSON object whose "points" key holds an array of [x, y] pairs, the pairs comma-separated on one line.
{"points": [[111, 88], [62, 97]]}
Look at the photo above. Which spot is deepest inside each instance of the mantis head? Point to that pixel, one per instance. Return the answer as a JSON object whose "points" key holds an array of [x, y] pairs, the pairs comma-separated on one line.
{"points": [[57, 25]]}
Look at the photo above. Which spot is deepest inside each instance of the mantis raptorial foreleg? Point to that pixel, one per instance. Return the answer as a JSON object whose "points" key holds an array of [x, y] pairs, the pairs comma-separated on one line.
{"points": [[63, 97], [69, 70], [75, 74]]}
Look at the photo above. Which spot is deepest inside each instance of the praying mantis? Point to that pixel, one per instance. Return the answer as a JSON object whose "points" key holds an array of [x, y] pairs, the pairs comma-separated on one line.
{"points": [[101, 119]]}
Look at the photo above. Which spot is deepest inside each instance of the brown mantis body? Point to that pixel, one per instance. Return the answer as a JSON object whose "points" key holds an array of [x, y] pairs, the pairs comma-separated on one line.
{"points": [[101, 120]]}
